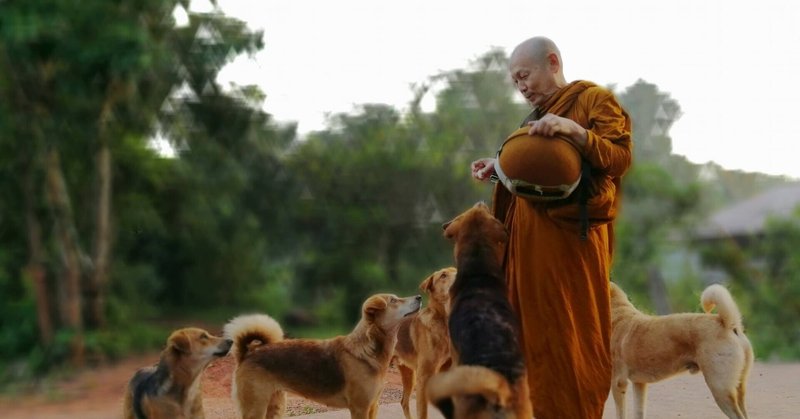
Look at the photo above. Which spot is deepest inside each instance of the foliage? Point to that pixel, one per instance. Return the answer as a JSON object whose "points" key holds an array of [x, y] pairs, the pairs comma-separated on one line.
{"points": [[764, 281]]}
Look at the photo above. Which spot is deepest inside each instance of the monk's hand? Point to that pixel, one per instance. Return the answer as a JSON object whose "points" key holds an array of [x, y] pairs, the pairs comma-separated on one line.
{"points": [[482, 169], [553, 125]]}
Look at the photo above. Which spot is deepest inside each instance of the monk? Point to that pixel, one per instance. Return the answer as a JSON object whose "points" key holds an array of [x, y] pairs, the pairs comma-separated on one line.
{"points": [[557, 267]]}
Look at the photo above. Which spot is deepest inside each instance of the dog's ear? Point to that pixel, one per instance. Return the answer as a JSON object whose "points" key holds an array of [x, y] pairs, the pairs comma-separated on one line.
{"points": [[446, 224], [482, 205], [180, 342], [374, 306], [496, 231], [451, 228], [427, 284]]}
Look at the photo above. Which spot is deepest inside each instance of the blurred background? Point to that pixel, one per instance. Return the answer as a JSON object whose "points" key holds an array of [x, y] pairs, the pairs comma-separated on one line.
{"points": [[138, 192]]}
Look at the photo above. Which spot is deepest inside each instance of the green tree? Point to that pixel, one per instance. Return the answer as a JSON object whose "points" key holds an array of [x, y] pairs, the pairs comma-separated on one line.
{"points": [[80, 98], [377, 184], [73, 86], [763, 274], [660, 195]]}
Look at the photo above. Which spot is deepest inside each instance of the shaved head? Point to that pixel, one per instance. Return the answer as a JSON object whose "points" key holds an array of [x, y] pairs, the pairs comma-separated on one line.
{"points": [[537, 49], [535, 67]]}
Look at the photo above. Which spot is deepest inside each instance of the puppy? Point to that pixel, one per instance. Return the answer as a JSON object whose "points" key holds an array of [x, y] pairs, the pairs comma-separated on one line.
{"points": [[423, 344], [646, 349], [489, 379], [345, 371], [172, 388]]}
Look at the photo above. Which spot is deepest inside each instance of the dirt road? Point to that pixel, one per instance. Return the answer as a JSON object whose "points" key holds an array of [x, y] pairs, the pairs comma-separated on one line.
{"points": [[773, 392]]}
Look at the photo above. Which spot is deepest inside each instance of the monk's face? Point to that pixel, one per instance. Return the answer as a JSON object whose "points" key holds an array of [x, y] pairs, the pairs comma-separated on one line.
{"points": [[536, 80]]}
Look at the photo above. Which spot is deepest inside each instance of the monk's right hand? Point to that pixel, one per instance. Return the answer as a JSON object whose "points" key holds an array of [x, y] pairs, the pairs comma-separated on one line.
{"points": [[482, 169]]}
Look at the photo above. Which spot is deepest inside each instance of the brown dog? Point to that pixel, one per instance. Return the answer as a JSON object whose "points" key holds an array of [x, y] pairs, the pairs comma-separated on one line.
{"points": [[646, 349], [489, 379], [423, 344], [172, 389], [345, 371]]}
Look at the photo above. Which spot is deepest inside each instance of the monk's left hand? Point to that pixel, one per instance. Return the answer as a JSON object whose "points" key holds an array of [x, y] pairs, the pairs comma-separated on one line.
{"points": [[553, 125]]}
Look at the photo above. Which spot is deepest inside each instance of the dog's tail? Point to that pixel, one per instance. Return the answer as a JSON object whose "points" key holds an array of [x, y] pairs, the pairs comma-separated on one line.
{"points": [[719, 296], [468, 380], [250, 331]]}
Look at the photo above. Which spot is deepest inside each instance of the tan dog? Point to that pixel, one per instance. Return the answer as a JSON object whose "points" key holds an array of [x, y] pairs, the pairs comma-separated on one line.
{"points": [[423, 345], [646, 349], [489, 379], [345, 371], [172, 389]]}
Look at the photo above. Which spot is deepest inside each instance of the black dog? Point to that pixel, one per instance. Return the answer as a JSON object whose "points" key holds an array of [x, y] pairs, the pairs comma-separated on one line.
{"points": [[490, 378]]}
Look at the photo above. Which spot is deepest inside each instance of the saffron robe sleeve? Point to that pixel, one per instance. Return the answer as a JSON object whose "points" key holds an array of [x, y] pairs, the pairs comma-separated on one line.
{"points": [[608, 151]]}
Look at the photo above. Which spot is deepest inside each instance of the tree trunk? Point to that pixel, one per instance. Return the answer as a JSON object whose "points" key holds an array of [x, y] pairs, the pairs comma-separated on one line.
{"points": [[67, 240], [98, 283], [34, 270], [97, 286], [658, 291]]}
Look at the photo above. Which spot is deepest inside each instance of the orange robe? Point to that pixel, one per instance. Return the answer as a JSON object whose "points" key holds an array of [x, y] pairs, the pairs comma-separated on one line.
{"points": [[558, 283]]}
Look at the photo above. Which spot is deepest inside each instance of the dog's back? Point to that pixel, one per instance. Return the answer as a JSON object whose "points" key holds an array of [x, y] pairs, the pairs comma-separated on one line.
{"points": [[144, 383], [483, 327], [489, 380]]}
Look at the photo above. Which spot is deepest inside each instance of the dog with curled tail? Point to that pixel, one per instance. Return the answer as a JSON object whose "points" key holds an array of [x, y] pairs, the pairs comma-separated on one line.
{"points": [[646, 349]]}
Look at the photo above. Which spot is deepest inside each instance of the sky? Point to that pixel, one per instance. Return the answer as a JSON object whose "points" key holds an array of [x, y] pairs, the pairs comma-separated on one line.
{"points": [[731, 65]]}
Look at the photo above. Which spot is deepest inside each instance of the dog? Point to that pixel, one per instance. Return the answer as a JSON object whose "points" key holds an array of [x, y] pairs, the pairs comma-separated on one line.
{"points": [[646, 349], [172, 388], [489, 379], [423, 343], [345, 371]]}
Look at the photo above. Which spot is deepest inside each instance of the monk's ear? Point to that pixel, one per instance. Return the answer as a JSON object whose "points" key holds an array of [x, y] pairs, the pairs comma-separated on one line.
{"points": [[180, 342], [427, 284], [553, 62]]}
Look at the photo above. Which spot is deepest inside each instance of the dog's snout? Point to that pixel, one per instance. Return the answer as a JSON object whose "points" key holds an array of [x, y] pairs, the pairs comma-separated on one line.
{"points": [[229, 342], [418, 298]]}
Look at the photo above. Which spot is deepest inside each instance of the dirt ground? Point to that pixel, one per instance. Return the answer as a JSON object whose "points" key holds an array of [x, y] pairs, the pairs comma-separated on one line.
{"points": [[773, 392], [97, 393]]}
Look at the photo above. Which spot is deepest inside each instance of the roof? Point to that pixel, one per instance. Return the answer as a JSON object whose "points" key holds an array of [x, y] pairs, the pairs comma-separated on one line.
{"points": [[749, 217]]}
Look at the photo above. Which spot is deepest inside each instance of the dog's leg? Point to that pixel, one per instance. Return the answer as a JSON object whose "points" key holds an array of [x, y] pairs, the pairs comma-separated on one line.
{"points": [[619, 389], [726, 398], [640, 399], [407, 375], [426, 370], [277, 405], [253, 400], [363, 412], [741, 389], [373, 410], [723, 380]]}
